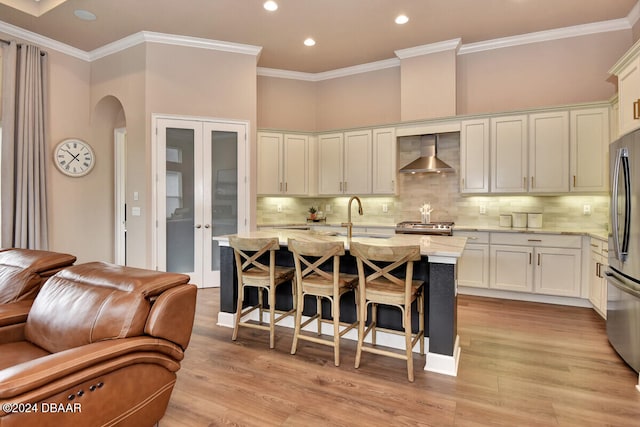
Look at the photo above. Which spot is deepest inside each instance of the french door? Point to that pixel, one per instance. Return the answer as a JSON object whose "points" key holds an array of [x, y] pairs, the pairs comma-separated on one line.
{"points": [[200, 193]]}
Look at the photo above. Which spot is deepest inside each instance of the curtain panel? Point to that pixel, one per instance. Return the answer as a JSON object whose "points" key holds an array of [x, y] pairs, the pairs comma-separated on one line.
{"points": [[24, 147]]}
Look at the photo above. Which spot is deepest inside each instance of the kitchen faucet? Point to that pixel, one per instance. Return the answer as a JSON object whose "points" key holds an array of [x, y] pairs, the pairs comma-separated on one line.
{"points": [[349, 224]]}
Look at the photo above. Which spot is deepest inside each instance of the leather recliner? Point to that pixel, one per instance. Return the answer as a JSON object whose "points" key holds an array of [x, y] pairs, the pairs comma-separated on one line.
{"points": [[100, 347], [22, 272]]}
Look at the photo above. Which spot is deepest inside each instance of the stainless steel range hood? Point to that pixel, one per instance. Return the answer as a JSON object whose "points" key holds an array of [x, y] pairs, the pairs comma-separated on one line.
{"points": [[428, 162]]}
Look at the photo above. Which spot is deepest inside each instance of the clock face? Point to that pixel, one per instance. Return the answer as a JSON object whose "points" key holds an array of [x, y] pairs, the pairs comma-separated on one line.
{"points": [[74, 157]]}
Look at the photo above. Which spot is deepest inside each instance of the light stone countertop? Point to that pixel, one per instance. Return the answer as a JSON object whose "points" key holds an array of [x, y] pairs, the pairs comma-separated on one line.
{"points": [[439, 249], [597, 233]]}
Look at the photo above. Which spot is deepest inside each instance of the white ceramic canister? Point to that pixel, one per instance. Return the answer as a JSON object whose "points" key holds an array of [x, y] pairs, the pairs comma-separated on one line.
{"points": [[519, 219], [505, 220], [534, 220]]}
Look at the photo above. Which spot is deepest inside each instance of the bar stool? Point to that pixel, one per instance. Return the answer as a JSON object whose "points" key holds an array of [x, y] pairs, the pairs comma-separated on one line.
{"points": [[311, 280], [254, 273], [376, 285]]}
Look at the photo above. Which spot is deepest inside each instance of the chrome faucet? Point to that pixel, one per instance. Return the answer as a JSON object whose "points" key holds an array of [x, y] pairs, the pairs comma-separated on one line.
{"points": [[349, 224]]}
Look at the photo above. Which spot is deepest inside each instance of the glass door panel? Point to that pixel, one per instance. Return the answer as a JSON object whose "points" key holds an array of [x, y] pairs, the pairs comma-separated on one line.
{"points": [[224, 188], [180, 201]]}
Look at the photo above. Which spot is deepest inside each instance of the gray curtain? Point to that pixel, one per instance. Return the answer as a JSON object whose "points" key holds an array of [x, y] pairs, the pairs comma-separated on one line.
{"points": [[24, 142]]}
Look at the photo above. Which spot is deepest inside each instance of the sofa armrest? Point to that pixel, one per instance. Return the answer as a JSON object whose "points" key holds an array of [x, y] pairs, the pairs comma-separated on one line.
{"points": [[98, 358], [14, 312]]}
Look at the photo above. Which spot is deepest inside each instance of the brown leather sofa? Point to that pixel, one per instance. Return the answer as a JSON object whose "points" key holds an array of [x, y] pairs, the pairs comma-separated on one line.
{"points": [[101, 347], [23, 271]]}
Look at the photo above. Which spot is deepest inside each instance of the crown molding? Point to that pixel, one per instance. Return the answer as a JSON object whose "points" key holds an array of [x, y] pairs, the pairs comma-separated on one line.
{"points": [[634, 15], [170, 39], [453, 44], [42, 41], [332, 74], [549, 35]]}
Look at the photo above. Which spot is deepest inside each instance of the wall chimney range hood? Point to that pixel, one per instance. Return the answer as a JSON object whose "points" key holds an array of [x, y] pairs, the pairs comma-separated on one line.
{"points": [[428, 162]]}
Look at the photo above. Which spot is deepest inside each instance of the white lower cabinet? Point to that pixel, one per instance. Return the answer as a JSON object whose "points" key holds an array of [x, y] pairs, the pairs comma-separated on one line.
{"points": [[473, 265], [597, 281], [538, 263]]}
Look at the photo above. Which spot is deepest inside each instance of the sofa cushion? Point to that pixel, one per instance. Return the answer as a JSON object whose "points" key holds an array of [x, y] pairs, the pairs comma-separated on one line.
{"points": [[92, 302]]}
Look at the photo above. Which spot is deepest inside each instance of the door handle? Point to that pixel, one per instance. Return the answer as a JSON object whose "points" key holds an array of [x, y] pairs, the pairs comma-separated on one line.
{"points": [[207, 226], [198, 226], [636, 109]]}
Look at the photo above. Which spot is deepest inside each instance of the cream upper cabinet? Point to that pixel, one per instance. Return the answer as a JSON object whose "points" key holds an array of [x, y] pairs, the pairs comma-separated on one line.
{"points": [[344, 163], [283, 164], [474, 156], [384, 161], [330, 163], [590, 150], [629, 97], [357, 162], [509, 173], [269, 163], [549, 152]]}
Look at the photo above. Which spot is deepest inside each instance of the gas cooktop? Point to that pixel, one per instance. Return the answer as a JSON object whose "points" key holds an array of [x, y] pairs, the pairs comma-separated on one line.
{"points": [[444, 228]]}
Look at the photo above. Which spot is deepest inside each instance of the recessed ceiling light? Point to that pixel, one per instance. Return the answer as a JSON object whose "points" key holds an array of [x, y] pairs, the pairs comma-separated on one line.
{"points": [[85, 15], [402, 19], [270, 5], [309, 42]]}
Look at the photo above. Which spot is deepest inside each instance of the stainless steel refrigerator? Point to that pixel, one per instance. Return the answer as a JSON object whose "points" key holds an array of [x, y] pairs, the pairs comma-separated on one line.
{"points": [[623, 274]]}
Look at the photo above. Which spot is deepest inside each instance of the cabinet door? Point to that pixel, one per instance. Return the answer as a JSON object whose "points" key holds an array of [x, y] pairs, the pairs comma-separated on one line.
{"points": [[549, 152], [558, 271], [296, 165], [269, 167], [473, 266], [474, 156], [330, 163], [384, 161], [357, 162], [511, 268], [590, 150], [628, 96], [509, 154]]}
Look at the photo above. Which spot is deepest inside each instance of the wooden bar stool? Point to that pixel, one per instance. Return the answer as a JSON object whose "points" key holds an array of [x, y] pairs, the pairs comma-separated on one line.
{"points": [[254, 273], [312, 280], [377, 285]]}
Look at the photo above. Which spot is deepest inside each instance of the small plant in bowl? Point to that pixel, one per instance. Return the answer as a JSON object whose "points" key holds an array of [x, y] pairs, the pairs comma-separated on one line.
{"points": [[312, 212]]}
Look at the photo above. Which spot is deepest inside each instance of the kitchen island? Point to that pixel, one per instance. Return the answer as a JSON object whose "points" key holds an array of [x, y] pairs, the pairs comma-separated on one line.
{"points": [[437, 268]]}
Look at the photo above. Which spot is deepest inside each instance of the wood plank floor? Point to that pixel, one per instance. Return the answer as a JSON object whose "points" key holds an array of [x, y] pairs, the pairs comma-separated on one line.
{"points": [[522, 364]]}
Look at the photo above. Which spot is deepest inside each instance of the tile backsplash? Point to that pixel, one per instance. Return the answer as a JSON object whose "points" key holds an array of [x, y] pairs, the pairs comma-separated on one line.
{"points": [[442, 191]]}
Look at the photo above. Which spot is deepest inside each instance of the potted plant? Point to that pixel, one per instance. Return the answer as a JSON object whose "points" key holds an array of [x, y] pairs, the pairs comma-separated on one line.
{"points": [[312, 212]]}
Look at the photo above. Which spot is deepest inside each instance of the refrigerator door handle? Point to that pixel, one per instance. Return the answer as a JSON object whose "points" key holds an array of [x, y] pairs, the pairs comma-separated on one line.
{"points": [[622, 159]]}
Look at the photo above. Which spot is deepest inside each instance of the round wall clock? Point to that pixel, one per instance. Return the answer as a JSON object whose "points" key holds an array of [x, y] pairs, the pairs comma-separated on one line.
{"points": [[74, 157]]}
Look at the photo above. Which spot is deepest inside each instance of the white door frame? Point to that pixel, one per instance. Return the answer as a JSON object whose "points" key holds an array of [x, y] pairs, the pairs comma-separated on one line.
{"points": [[157, 164], [120, 199]]}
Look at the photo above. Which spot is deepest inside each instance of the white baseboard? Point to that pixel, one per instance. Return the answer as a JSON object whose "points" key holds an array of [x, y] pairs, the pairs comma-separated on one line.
{"points": [[441, 364], [524, 296]]}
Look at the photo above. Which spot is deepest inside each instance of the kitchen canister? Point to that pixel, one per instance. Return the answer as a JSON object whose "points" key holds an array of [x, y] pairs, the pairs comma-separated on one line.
{"points": [[505, 220], [534, 220], [519, 219]]}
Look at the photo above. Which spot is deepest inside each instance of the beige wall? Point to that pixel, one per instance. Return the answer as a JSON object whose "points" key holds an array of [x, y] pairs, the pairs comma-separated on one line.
{"points": [[558, 72], [428, 87], [359, 100], [287, 104]]}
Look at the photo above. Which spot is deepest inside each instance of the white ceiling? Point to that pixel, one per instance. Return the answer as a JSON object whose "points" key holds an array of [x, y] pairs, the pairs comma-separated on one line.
{"points": [[348, 32]]}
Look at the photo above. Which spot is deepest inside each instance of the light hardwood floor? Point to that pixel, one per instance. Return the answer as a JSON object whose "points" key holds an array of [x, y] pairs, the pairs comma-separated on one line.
{"points": [[522, 364]]}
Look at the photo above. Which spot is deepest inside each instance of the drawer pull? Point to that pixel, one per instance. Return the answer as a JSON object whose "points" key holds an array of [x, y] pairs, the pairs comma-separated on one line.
{"points": [[534, 240], [594, 246]]}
